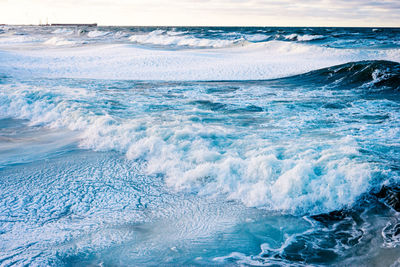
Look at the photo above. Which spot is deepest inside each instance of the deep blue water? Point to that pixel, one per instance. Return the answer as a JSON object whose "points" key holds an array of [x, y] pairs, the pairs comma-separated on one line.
{"points": [[197, 167]]}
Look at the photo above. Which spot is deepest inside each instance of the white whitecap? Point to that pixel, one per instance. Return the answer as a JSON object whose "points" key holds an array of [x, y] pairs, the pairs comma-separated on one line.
{"points": [[96, 33], [160, 37], [303, 38], [58, 41], [63, 31]]}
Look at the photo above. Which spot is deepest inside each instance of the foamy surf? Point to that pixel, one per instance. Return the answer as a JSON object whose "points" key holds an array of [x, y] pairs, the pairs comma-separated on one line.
{"points": [[258, 172]]}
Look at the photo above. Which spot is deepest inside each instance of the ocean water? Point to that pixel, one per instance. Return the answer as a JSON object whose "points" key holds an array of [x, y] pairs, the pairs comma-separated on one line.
{"points": [[126, 146]]}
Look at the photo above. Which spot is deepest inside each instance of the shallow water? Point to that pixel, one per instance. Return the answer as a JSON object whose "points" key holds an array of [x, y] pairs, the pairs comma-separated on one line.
{"points": [[287, 167]]}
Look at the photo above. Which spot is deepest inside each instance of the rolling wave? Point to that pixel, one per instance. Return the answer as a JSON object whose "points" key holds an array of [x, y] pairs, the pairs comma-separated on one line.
{"points": [[376, 73]]}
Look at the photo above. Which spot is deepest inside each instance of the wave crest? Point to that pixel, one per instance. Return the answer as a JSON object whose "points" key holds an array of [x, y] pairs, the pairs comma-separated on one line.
{"points": [[378, 74], [172, 38], [58, 41]]}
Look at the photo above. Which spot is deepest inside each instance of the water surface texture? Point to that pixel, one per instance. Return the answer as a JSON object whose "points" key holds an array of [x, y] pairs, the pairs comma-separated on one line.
{"points": [[124, 146]]}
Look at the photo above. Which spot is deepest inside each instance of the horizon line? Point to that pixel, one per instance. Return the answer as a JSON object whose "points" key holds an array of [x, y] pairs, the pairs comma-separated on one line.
{"points": [[196, 26]]}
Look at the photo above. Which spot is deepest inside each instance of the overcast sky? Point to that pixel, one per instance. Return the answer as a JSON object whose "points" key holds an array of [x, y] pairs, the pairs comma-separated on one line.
{"points": [[204, 12]]}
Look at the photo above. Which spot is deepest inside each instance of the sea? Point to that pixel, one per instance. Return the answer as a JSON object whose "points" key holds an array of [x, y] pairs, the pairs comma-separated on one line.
{"points": [[199, 146]]}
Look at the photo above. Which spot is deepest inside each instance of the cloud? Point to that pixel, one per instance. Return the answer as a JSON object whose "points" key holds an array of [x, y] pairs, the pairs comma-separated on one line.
{"points": [[206, 12]]}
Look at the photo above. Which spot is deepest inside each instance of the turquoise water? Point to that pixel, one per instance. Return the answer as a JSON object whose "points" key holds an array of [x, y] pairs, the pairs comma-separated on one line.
{"points": [[298, 169]]}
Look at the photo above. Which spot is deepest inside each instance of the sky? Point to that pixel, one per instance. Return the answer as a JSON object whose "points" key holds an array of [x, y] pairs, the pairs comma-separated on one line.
{"points": [[374, 13]]}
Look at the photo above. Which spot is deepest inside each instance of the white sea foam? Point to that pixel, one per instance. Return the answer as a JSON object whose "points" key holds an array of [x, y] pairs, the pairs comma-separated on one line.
{"points": [[120, 34], [174, 32], [63, 31], [14, 40], [96, 33], [265, 60], [58, 41], [302, 38], [256, 37]]}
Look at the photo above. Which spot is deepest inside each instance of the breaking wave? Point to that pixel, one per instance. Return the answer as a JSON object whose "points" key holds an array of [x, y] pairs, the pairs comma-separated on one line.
{"points": [[303, 38], [57, 41], [211, 147], [173, 38]]}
